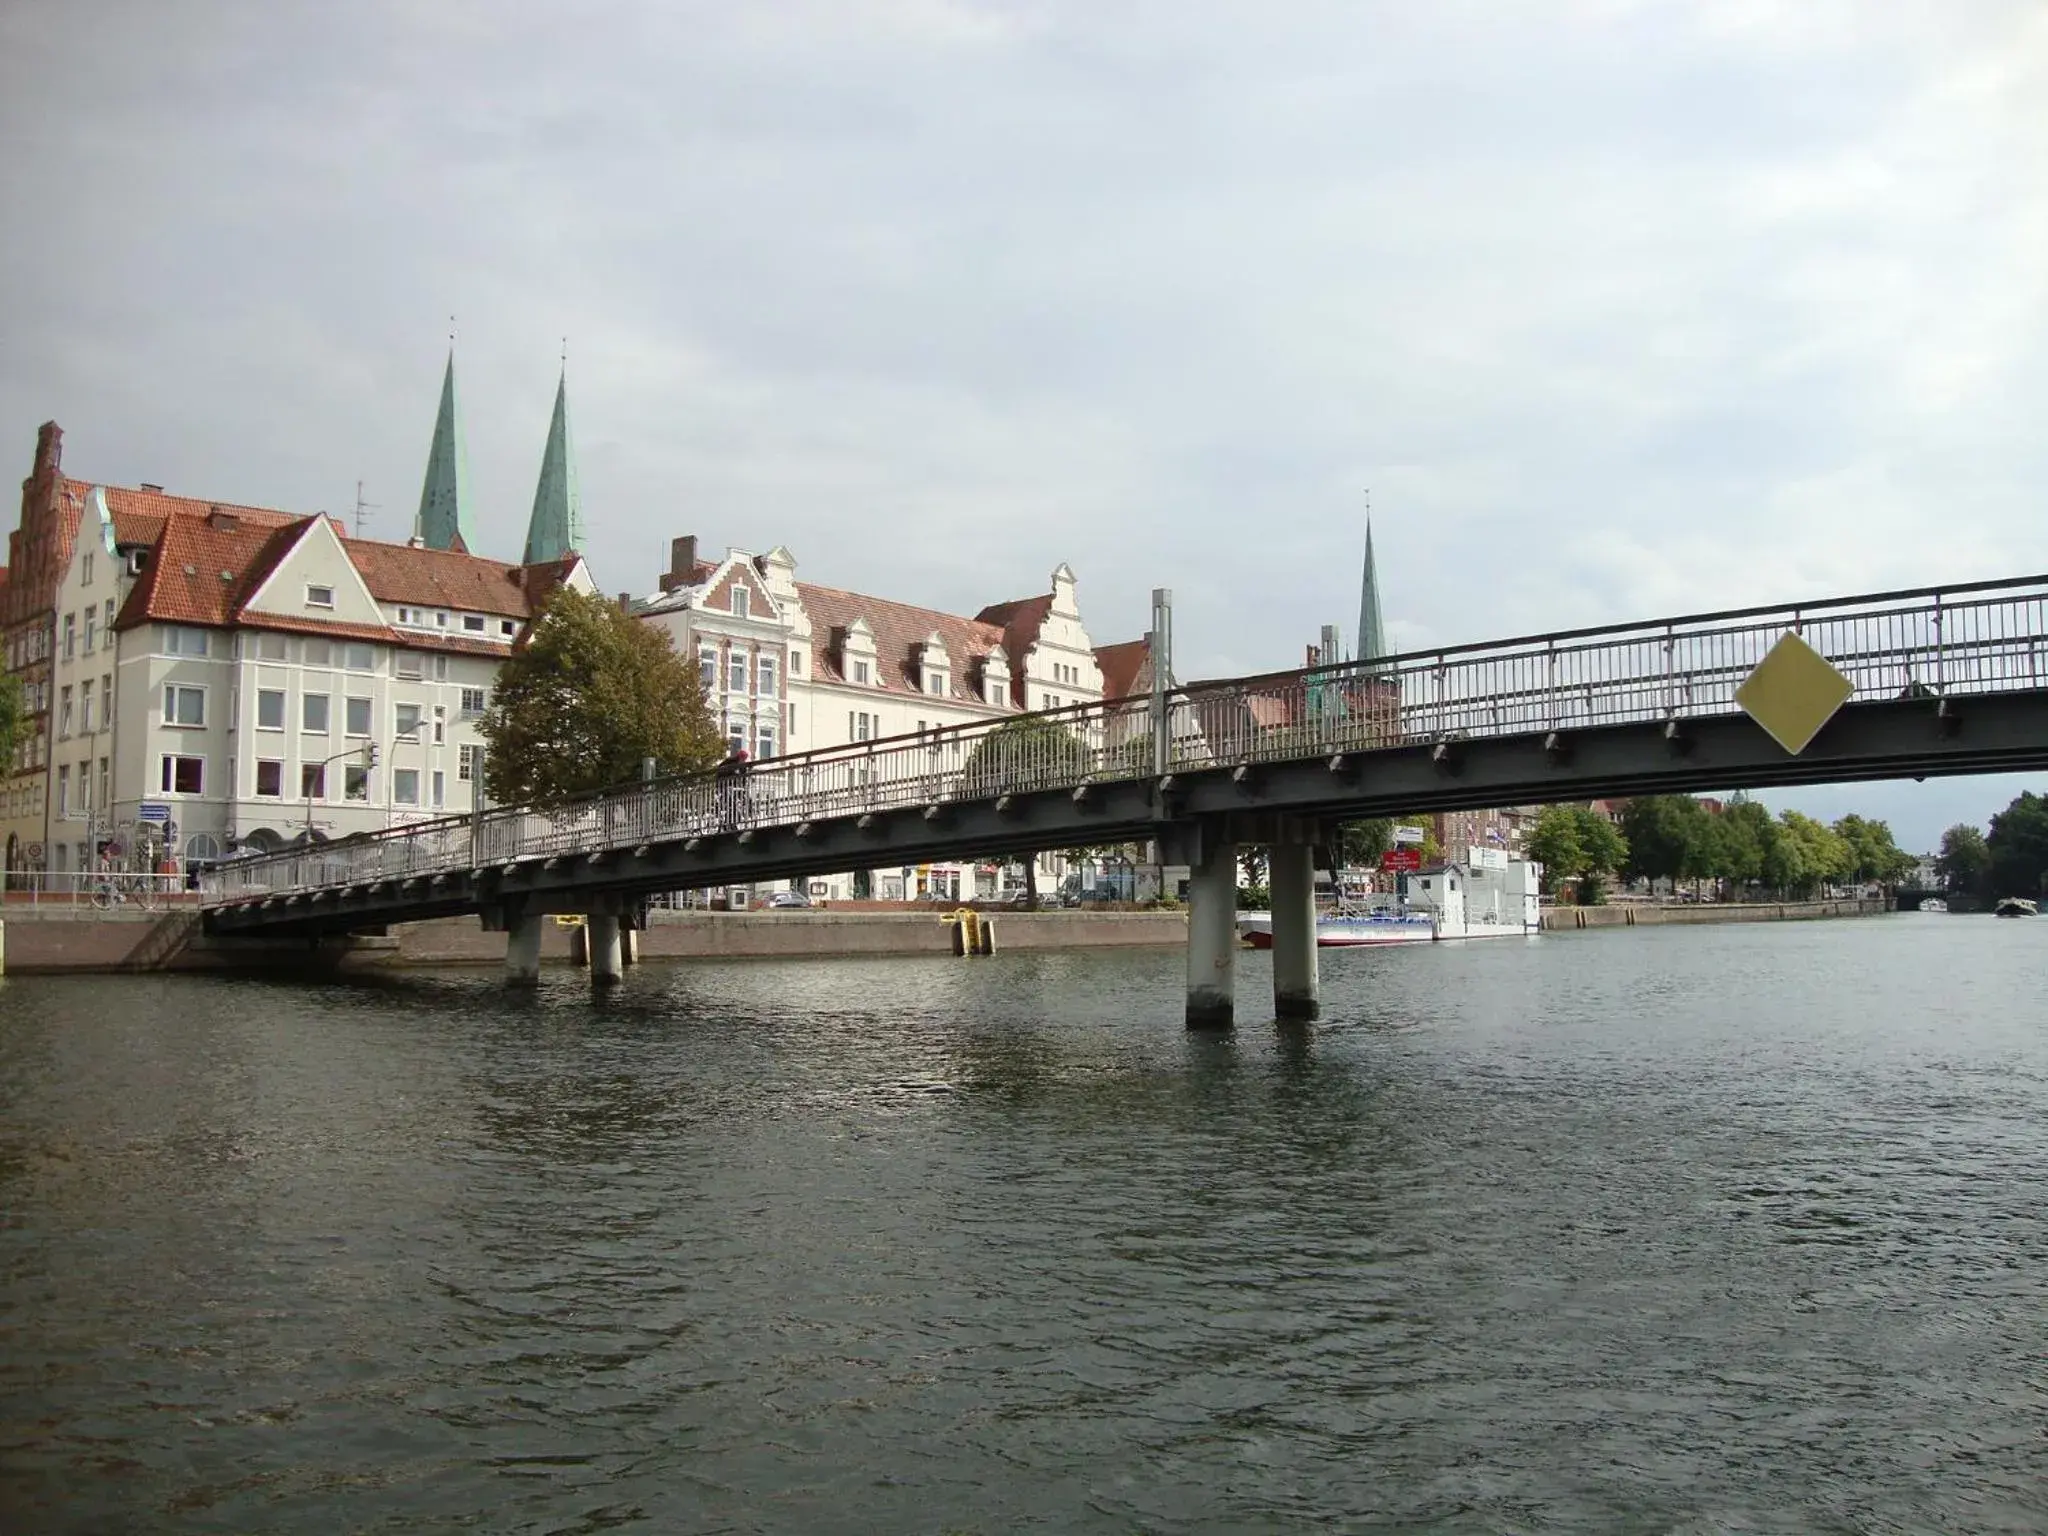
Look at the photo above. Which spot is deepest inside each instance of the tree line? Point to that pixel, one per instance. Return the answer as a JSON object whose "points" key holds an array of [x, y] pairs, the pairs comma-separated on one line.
{"points": [[2009, 860]]}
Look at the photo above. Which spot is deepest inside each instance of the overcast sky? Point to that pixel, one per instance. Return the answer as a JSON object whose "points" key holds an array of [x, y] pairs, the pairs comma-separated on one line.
{"points": [[1618, 310]]}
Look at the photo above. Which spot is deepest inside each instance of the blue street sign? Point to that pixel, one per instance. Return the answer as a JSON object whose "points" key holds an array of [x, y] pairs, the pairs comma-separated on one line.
{"points": [[149, 811]]}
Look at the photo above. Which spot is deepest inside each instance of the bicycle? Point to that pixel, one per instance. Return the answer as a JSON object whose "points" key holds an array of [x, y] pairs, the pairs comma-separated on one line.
{"points": [[108, 892]]}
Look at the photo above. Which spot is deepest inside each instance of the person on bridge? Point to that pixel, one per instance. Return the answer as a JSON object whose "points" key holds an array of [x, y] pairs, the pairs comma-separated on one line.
{"points": [[732, 787]]}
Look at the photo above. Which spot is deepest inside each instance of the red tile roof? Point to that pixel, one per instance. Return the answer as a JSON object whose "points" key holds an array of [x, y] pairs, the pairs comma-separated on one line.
{"points": [[900, 633], [1121, 666], [139, 514], [443, 578]]}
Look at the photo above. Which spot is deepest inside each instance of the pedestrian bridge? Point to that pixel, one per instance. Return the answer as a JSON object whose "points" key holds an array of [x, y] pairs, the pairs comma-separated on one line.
{"points": [[1938, 681]]}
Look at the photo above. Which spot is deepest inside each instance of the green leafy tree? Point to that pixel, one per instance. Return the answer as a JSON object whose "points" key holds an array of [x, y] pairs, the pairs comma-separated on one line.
{"points": [[1360, 843], [1018, 756], [2017, 843], [1669, 837], [1781, 864], [1873, 857], [1577, 844], [592, 693], [1964, 863], [1824, 858], [1740, 833], [11, 714]]}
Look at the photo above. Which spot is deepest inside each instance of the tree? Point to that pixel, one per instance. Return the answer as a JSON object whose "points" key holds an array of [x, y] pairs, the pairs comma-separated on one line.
{"points": [[1360, 843], [10, 714], [1668, 837], [590, 695], [1824, 858], [1874, 857], [2018, 846], [1027, 753], [1964, 863], [1576, 843], [1740, 833]]}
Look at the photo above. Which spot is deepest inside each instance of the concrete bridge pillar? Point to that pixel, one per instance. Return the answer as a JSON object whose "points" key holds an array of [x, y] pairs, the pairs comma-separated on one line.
{"points": [[522, 951], [1295, 983], [607, 965], [1212, 937], [629, 945]]}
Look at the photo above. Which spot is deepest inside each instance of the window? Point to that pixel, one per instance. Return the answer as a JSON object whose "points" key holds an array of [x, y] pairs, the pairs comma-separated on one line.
{"points": [[440, 669], [736, 671], [64, 791], [108, 626], [995, 692], [358, 658], [184, 706], [861, 726], [405, 786], [937, 682], [179, 640], [507, 628], [742, 601], [319, 653], [406, 664], [269, 779], [313, 713], [355, 782], [107, 699], [85, 575], [473, 623], [106, 781], [472, 703], [469, 765], [440, 789], [313, 781], [408, 722], [860, 671], [64, 715], [440, 725], [70, 635], [319, 597], [707, 666], [85, 707], [796, 664], [440, 621], [765, 737], [183, 775], [356, 721], [767, 677], [270, 647], [411, 616], [269, 709], [85, 785], [92, 628], [736, 736]]}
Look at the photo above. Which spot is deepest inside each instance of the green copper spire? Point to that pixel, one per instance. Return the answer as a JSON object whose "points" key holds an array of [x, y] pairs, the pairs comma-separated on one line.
{"points": [[557, 525], [1372, 635], [444, 518]]}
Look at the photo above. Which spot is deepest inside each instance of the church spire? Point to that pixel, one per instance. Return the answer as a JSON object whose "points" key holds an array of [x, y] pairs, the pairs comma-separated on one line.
{"points": [[444, 520], [1372, 635], [557, 525]]}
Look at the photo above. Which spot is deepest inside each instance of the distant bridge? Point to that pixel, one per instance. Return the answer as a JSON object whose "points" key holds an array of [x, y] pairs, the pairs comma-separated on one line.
{"points": [[1942, 681]]}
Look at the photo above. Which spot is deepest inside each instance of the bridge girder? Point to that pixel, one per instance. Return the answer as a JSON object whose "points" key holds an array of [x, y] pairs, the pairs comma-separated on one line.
{"points": [[1294, 799]]}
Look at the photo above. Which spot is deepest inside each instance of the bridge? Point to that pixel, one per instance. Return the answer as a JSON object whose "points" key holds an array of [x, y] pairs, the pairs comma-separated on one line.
{"points": [[1933, 681]]}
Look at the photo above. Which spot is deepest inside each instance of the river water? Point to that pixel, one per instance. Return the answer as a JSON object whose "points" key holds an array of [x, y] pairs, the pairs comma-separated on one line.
{"points": [[1672, 1230]]}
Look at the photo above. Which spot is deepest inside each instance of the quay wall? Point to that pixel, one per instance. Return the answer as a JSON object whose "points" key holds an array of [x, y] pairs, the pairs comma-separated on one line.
{"points": [[1641, 914]]}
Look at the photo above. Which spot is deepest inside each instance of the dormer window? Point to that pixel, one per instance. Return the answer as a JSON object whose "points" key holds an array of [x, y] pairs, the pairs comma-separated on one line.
{"points": [[860, 672], [742, 602], [938, 683], [473, 623], [319, 597]]}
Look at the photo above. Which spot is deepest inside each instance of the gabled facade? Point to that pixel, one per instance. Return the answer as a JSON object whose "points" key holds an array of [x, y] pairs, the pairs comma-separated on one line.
{"points": [[264, 679], [792, 666]]}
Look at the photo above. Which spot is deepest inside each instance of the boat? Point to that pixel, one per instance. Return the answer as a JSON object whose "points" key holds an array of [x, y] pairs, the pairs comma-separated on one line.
{"points": [[1933, 904], [2017, 906], [1489, 896], [1347, 928]]}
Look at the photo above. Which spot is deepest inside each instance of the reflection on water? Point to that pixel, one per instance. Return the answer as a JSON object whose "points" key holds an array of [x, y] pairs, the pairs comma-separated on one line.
{"points": [[1646, 1231]]}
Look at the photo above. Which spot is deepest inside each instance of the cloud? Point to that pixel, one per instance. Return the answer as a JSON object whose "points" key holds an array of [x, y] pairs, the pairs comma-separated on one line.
{"points": [[1617, 309]]}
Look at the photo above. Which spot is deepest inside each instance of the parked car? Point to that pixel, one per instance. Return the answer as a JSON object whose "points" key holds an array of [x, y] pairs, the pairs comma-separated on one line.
{"points": [[784, 900]]}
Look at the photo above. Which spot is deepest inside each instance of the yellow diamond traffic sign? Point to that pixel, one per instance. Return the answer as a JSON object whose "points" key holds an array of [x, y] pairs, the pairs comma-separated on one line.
{"points": [[1793, 692]]}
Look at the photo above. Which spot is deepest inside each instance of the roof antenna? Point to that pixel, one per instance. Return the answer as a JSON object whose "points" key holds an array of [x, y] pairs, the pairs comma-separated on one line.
{"points": [[362, 506]]}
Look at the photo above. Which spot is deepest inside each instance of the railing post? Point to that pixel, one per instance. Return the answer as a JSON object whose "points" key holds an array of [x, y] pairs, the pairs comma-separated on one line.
{"points": [[1161, 646]]}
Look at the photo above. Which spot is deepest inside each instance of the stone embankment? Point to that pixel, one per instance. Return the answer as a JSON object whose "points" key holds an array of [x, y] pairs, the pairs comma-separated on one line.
{"points": [[56, 941], [1640, 914]]}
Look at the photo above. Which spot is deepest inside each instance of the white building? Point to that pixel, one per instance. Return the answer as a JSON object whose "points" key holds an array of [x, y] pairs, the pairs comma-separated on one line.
{"points": [[226, 682], [789, 666]]}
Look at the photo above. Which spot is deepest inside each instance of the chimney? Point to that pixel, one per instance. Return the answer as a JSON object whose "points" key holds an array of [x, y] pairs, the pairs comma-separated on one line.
{"points": [[149, 487], [625, 602], [49, 449], [682, 563]]}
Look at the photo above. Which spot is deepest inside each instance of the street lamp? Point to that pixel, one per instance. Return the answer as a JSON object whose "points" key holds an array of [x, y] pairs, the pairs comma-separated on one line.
{"points": [[367, 751]]}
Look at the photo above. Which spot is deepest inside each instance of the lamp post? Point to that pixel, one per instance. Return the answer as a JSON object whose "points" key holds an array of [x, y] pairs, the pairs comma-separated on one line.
{"points": [[367, 751]]}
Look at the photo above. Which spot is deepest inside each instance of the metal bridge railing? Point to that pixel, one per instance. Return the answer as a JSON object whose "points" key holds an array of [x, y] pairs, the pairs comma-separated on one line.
{"points": [[1987, 637]]}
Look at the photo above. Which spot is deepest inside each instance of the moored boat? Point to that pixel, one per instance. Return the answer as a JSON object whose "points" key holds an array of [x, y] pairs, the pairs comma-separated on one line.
{"points": [[1345, 930], [1934, 904], [2017, 906]]}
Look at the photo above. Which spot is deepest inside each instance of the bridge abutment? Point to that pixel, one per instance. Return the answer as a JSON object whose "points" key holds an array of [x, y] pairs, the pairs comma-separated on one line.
{"points": [[1292, 882], [1212, 937]]}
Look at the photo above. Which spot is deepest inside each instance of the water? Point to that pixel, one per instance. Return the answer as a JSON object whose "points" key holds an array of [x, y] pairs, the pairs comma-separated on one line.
{"points": [[1725, 1229]]}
